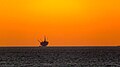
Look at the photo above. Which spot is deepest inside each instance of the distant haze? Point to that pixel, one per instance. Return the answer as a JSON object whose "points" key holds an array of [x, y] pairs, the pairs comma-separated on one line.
{"points": [[63, 22]]}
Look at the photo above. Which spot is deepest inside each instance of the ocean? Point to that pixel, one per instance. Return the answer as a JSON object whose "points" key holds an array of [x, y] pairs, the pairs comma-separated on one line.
{"points": [[59, 56]]}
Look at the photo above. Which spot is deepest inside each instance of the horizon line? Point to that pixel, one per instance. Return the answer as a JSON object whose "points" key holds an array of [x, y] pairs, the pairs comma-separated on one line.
{"points": [[60, 46]]}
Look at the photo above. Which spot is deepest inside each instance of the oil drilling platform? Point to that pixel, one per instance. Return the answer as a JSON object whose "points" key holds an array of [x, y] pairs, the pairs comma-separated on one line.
{"points": [[43, 43]]}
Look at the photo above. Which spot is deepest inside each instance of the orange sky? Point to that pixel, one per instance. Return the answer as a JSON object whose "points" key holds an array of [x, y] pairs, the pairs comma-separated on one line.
{"points": [[64, 22]]}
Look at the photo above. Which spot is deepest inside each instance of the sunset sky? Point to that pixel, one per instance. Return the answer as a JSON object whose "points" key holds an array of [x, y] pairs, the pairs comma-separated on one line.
{"points": [[64, 22]]}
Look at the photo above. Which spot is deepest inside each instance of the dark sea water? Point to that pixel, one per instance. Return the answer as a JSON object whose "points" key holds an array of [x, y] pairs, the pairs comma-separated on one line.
{"points": [[60, 57]]}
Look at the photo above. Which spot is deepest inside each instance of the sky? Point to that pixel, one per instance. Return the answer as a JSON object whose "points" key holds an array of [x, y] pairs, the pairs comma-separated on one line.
{"points": [[63, 22]]}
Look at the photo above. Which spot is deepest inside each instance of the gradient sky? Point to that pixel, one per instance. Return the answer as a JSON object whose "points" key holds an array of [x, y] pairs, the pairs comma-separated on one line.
{"points": [[64, 22]]}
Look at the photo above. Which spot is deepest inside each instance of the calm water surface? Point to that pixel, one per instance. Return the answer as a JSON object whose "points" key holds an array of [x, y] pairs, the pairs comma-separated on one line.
{"points": [[60, 56]]}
